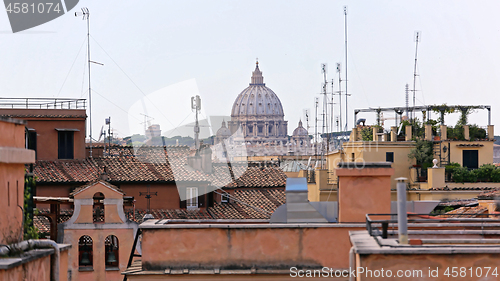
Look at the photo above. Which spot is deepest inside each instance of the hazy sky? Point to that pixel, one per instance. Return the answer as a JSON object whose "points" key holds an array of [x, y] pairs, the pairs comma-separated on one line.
{"points": [[171, 50]]}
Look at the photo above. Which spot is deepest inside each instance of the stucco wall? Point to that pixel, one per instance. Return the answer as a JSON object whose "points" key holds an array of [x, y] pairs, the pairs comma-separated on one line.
{"points": [[245, 247], [425, 261], [38, 269]]}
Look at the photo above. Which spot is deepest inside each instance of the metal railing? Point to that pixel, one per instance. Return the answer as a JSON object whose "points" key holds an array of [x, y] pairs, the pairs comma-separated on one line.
{"points": [[446, 224], [42, 103]]}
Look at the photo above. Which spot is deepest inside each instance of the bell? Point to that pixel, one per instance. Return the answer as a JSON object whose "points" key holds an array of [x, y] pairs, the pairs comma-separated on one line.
{"points": [[111, 257], [85, 259]]}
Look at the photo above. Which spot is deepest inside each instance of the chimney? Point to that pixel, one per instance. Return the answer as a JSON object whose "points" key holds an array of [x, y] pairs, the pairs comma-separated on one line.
{"points": [[364, 188]]}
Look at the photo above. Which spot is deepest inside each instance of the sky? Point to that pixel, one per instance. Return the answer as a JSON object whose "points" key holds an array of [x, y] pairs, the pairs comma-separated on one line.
{"points": [[158, 53]]}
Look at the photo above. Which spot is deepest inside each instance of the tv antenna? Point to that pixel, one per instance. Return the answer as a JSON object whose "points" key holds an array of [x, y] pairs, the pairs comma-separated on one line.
{"points": [[196, 106], [147, 122], [85, 16], [417, 39]]}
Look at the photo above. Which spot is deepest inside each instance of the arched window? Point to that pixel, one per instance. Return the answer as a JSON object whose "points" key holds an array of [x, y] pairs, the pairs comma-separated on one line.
{"points": [[98, 213], [111, 251], [85, 252]]}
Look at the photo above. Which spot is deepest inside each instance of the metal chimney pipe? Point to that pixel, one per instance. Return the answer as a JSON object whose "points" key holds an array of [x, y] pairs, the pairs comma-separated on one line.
{"points": [[402, 213]]}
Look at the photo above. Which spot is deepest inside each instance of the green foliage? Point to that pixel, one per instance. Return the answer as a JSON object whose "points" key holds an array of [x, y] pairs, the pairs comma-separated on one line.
{"points": [[367, 132], [455, 133], [422, 152], [452, 166], [475, 132], [485, 173], [30, 231], [495, 175]]}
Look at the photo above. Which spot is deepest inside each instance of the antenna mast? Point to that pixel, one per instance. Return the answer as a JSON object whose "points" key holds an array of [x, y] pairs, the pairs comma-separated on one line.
{"points": [[346, 94], [316, 101], [417, 39], [196, 105], [340, 99], [407, 100]]}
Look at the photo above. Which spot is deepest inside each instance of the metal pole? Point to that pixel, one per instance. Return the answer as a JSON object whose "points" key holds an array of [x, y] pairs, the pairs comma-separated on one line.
{"points": [[402, 214], [346, 93], [90, 90]]}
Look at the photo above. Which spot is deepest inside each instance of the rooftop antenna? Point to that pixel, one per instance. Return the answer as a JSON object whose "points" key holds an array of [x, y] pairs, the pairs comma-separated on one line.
{"points": [[147, 122], [325, 108], [346, 93], [417, 39], [316, 102], [340, 97], [407, 101], [325, 114], [85, 16], [196, 106]]}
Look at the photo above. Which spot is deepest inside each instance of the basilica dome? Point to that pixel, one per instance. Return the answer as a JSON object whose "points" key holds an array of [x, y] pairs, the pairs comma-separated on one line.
{"points": [[257, 100], [258, 112], [300, 130], [223, 131]]}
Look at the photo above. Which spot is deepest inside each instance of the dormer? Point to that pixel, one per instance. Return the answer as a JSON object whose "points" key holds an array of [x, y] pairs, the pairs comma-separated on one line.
{"points": [[98, 203]]}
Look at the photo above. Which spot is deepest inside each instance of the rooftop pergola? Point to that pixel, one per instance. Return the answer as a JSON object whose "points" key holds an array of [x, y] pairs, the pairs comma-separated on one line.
{"points": [[398, 111]]}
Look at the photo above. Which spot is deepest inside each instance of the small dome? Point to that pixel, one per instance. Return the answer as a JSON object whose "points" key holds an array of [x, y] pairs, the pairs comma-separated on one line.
{"points": [[223, 131], [257, 99], [300, 131]]}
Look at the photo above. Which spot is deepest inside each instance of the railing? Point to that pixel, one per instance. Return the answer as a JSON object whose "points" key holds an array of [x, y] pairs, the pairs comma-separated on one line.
{"points": [[42, 103], [424, 224]]}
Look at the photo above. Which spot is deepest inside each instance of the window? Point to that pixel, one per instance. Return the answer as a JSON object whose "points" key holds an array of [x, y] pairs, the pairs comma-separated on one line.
{"points": [[389, 157], [31, 141], [85, 254], [250, 129], [270, 129], [111, 252], [98, 212], [260, 130], [224, 198], [191, 197], [353, 157], [470, 159], [65, 144]]}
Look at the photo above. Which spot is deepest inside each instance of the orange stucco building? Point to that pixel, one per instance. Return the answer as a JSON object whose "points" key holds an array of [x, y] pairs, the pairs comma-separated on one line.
{"points": [[28, 259]]}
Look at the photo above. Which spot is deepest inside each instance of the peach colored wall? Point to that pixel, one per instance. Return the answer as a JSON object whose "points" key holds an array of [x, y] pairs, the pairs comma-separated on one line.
{"points": [[125, 242], [11, 184], [38, 269], [63, 265], [12, 190], [246, 247], [47, 136], [167, 198], [12, 135], [86, 215], [363, 191], [53, 191], [424, 261]]}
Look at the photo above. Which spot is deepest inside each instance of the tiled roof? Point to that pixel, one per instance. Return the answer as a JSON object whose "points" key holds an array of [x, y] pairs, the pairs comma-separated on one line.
{"points": [[458, 202], [244, 204], [153, 164], [248, 176], [489, 195], [467, 212]]}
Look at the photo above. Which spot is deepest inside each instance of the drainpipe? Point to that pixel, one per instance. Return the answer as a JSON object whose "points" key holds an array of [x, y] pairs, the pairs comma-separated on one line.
{"points": [[402, 213], [31, 244]]}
